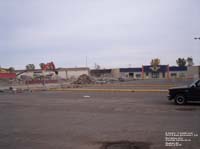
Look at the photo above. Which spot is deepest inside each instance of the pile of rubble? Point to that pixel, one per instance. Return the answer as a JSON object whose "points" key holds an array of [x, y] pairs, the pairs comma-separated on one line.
{"points": [[83, 79]]}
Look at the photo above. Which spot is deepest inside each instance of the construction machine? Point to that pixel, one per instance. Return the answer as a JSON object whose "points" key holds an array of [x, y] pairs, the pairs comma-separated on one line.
{"points": [[48, 66]]}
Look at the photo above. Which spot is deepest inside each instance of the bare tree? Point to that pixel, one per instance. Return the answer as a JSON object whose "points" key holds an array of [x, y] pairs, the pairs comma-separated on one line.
{"points": [[190, 61], [30, 67], [181, 62], [42, 65], [155, 62], [11, 69]]}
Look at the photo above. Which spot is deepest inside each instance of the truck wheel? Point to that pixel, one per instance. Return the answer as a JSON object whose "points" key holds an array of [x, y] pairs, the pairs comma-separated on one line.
{"points": [[180, 99]]}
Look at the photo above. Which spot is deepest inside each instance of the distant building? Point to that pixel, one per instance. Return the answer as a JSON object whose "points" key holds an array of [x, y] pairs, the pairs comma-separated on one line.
{"points": [[131, 73], [101, 73], [150, 72], [158, 72], [68, 73], [193, 72], [62, 73], [144, 72], [178, 72]]}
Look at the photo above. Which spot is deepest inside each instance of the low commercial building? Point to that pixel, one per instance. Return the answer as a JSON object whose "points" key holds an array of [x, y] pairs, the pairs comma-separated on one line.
{"points": [[72, 73], [62, 73], [157, 72], [100, 73], [131, 73], [150, 72], [178, 72]]}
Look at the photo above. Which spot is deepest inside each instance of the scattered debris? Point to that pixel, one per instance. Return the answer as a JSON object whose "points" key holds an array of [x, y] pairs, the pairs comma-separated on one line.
{"points": [[86, 96], [12, 90], [83, 79]]}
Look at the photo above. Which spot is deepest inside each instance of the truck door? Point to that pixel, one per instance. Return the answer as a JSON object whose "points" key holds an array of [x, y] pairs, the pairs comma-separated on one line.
{"points": [[196, 91]]}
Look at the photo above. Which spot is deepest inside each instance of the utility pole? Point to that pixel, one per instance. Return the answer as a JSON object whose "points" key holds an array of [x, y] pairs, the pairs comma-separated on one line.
{"points": [[197, 38], [86, 62]]}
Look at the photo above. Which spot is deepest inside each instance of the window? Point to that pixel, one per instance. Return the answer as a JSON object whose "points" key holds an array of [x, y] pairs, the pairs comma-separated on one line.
{"points": [[131, 75], [163, 74], [155, 74], [182, 75], [138, 76], [173, 75]]}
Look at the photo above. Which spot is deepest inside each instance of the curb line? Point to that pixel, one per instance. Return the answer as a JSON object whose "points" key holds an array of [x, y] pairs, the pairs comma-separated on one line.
{"points": [[109, 90]]}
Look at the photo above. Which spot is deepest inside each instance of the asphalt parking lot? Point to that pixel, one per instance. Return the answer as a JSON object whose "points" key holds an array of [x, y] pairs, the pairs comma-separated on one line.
{"points": [[89, 120]]}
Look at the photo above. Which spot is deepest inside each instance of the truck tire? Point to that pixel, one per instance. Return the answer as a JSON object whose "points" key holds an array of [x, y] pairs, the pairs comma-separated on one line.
{"points": [[180, 99]]}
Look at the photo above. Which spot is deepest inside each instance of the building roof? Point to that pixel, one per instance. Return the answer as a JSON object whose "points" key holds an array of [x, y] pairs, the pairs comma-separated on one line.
{"points": [[177, 68], [130, 69], [40, 70], [149, 68], [160, 68], [73, 69], [101, 70]]}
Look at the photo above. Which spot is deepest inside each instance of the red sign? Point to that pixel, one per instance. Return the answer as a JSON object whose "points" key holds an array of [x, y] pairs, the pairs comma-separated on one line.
{"points": [[7, 75]]}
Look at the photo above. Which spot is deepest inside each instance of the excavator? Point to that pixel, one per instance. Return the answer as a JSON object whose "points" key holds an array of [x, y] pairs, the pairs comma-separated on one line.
{"points": [[8, 74], [46, 74], [48, 66]]}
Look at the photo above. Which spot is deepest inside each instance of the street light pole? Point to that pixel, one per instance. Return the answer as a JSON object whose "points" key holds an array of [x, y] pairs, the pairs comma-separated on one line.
{"points": [[196, 38]]}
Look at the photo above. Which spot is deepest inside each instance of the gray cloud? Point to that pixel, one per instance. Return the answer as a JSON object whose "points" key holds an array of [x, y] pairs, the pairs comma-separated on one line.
{"points": [[112, 33]]}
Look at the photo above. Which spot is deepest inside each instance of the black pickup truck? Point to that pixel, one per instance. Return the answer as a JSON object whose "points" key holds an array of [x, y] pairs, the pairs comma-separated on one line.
{"points": [[181, 95]]}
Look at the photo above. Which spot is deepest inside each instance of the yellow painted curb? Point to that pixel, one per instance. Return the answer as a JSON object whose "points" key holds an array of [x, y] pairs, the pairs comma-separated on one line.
{"points": [[133, 85], [150, 90], [109, 90], [95, 90]]}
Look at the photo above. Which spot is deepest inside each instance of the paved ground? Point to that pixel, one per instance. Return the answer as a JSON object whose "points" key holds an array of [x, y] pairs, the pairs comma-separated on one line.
{"points": [[134, 84], [68, 120]]}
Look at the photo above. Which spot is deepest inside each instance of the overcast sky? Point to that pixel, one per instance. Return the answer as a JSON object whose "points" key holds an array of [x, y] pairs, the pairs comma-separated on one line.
{"points": [[111, 33]]}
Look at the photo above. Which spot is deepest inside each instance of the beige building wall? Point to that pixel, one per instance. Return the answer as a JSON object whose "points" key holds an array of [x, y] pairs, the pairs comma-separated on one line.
{"points": [[76, 73], [177, 74], [193, 72], [115, 73], [62, 74]]}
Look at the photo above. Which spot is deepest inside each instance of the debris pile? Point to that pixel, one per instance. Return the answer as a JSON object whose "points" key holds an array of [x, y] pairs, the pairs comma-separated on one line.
{"points": [[83, 79]]}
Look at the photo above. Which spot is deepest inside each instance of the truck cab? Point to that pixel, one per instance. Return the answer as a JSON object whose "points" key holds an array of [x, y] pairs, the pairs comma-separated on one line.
{"points": [[182, 94]]}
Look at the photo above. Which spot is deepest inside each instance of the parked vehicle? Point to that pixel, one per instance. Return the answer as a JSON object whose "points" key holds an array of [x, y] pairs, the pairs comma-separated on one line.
{"points": [[181, 95]]}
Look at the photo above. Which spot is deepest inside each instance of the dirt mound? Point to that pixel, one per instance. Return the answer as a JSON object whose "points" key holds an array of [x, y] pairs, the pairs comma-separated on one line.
{"points": [[83, 79]]}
